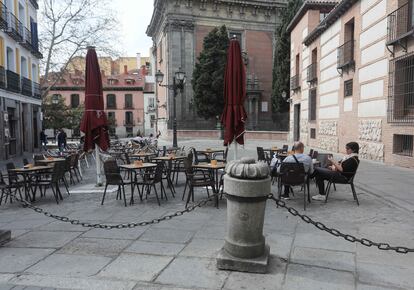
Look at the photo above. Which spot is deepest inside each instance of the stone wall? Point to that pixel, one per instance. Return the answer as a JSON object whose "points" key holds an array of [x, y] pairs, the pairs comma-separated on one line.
{"points": [[370, 130], [328, 143], [328, 128], [372, 151]]}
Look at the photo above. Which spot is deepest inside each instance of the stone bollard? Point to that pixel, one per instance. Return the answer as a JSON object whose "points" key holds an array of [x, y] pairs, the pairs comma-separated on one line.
{"points": [[247, 185]]}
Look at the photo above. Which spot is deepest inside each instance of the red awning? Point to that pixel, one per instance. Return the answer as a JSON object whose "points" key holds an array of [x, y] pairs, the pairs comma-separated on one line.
{"points": [[94, 122]]}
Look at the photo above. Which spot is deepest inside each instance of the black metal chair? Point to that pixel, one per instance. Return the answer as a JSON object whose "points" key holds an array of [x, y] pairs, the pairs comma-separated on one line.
{"points": [[113, 177], [349, 180], [221, 156], [196, 178], [199, 157], [6, 189], [56, 176], [311, 153], [150, 181], [293, 174], [314, 154], [261, 155], [285, 148]]}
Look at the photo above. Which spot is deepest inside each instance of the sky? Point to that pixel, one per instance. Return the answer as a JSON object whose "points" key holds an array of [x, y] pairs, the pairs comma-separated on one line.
{"points": [[134, 16]]}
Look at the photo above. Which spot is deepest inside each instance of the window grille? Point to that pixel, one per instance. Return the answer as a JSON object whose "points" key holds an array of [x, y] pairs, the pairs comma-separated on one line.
{"points": [[313, 133], [348, 88], [403, 145], [312, 105], [401, 90]]}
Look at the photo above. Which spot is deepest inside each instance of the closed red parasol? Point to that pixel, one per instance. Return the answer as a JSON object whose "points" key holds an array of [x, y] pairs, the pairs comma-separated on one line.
{"points": [[234, 115], [94, 122]]}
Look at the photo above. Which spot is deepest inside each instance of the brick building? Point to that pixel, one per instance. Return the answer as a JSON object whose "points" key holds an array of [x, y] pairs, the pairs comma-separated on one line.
{"points": [[123, 98], [178, 29], [352, 77], [20, 113]]}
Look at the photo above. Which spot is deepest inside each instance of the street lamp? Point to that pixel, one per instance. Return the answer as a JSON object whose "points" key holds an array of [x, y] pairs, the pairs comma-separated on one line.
{"points": [[178, 84]]}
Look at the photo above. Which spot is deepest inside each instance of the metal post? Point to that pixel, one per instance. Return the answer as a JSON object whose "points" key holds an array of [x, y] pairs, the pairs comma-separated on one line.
{"points": [[174, 86]]}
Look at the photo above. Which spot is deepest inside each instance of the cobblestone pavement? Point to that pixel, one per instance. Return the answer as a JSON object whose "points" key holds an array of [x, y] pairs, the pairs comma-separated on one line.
{"points": [[180, 253]]}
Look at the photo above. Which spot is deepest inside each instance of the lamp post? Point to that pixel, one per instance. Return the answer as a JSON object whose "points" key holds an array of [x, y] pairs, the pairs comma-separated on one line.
{"points": [[178, 84]]}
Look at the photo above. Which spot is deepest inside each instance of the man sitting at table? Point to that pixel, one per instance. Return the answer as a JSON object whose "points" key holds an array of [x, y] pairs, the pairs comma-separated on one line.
{"points": [[338, 171], [298, 157]]}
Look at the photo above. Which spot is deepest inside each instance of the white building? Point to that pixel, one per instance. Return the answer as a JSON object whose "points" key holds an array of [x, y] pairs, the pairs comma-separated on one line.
{"points": [[20, 111]]}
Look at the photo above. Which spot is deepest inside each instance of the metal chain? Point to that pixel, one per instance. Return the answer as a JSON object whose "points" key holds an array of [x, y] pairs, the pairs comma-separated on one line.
{"points": [[201, 203], [337, 233]]}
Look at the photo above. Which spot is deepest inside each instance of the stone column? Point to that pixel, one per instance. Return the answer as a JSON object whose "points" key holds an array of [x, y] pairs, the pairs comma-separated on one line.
{"points": [[247, 185]]}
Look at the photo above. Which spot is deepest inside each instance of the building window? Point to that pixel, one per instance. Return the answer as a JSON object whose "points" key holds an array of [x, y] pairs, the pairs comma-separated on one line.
{"points": [[110, 101], [129, 81], [129, 119], [401, 90], [348, 88], [128, 101], [238, 36], [403, 145], [56, 98], [152, 120], [74, 100], [129, 131], [312, 105], [313, 133], [322, 15], [112, 81]]}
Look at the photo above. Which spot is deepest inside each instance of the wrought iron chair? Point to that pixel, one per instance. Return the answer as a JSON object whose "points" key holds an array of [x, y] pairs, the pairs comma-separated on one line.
{"points": [[150, 181], [293, 174], [113, 177], [349, 180], [221, 156], [261, 155], [56, 176]]}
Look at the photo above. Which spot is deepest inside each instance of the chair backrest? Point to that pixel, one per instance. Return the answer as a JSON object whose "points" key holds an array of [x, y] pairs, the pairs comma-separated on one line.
{"points": [[58, 171], [292, 173], [194, 155], [188, 164], [350, 175], [311, 153], [25, 161], [260, 154], [67, 162], [315, 154], [38, 157], [285, 148], [12, 175], [225, 153], [158, 172], [164, 150], [112, 172], [127, 160]]}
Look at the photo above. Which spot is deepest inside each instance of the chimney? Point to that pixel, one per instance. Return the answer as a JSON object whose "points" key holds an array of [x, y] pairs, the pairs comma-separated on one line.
{"points": [[138, 61], [125, 69]]}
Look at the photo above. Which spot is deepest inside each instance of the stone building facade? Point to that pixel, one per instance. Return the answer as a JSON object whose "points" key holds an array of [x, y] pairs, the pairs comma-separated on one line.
{"points": [[20, 112], [178, 28], [123, 98], [352, 77]]}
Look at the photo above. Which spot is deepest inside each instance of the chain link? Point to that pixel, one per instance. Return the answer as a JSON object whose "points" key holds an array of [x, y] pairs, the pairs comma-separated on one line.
{"points": [[27, 204], [337, 233]]}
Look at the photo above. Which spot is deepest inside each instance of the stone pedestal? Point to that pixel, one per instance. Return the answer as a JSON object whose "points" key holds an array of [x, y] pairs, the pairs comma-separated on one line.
{"points": [[5, 236], [245, 248]]}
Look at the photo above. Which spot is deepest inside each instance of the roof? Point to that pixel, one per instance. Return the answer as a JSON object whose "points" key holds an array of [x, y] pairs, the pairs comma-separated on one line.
{"points": [[310, 5], [330, 19]]}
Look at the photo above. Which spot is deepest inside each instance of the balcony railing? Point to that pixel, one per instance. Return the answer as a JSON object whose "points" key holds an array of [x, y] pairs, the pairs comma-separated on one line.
{"points": [[3, 16], [129, 123], [26, 87], [294, 83], [27, 39], [312, 75], [346, 54], [13, 81], [34, 3], [15, 28], [400, 24], [36, 91], [2, 78]]}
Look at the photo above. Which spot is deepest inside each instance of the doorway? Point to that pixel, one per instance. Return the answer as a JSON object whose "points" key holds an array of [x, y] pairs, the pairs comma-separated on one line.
{"points": [[296, 122]]}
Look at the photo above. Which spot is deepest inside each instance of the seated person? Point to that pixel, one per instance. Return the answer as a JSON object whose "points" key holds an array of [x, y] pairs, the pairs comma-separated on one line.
{"points": [[338, 171], [298, 156]]}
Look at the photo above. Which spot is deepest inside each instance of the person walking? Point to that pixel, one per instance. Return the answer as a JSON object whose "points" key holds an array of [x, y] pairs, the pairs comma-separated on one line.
{"points": [[43, 140], [61, 140]]}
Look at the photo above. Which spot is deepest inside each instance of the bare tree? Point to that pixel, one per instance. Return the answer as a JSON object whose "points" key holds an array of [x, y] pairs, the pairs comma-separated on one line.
{"points": [[68, 27]]}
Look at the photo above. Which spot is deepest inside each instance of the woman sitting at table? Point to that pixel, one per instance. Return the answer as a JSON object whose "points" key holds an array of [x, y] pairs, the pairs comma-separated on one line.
{"points": [[338, 171]]}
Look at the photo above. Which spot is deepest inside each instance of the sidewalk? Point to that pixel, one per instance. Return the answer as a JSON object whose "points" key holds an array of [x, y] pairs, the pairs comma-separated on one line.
{"points": [[180, 253]]}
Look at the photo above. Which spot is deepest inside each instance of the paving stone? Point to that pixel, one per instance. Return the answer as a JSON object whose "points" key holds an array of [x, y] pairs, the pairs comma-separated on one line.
{"points": [[64, 282], [361, 286], [166, 235], [127, 234], [136, 267], [192, 272], [390, 258], [155, 248], [212, 232], [69, 265], [324, 258], [28, 224], [322, 240], [58, 226], [17, 259], [385, 275], [280, 245], [304, 277], [204, 248], [92, 246], [271, 280], [43, 239], [5, 277], [159, 287]]}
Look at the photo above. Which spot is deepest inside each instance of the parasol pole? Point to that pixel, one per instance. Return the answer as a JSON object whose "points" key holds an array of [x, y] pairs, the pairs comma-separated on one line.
{"points": [[98, 166], [236, 153]]}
